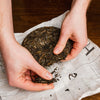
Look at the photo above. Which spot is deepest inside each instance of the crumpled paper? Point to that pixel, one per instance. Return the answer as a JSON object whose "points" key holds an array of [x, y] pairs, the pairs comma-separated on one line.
{"points": [[80, 77]]}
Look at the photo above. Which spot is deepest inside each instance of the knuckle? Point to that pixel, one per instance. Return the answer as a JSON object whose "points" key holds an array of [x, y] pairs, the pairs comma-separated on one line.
{"points": [[43, 87], [73, 56], [11, 83]]}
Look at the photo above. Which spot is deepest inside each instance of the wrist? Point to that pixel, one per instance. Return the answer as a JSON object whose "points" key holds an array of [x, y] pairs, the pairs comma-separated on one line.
{"points": [[78, 12], [6, 41], [80, 6]]}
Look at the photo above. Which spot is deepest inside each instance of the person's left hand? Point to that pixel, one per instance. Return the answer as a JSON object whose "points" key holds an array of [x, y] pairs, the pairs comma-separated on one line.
{"points": [[74, 28]]}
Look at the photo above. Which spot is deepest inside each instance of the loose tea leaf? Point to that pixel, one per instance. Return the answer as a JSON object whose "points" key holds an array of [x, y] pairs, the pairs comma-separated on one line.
{"points": [[41, 43]]}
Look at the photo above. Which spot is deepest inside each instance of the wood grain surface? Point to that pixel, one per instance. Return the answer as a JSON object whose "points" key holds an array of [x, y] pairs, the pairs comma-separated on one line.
{"points": [[28, 13]]}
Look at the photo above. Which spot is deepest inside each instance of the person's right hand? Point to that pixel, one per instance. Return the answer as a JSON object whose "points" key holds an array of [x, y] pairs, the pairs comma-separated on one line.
{"points": [[18, 63]]}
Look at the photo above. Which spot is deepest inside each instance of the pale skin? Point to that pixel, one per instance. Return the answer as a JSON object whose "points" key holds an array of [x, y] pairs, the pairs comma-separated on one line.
{"points": [[18, 60]]}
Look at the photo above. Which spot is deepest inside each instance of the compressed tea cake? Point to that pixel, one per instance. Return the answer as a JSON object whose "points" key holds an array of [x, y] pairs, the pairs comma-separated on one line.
{"points": [[41, 43]]}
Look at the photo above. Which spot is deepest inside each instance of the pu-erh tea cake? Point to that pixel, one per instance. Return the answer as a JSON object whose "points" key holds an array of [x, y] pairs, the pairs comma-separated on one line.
{"points": [[41, 43]]}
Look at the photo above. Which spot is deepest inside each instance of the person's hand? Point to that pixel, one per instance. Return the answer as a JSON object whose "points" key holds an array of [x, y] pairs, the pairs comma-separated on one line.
{"points": [[74, 28], [18, 63]]}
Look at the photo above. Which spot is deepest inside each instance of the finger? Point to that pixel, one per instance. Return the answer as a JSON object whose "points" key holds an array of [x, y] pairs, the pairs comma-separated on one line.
{"points": [[77, 47], [61, 42], [41, 71], [30, 86]]}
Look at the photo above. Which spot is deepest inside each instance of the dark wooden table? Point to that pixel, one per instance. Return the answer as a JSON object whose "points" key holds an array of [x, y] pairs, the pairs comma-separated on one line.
{"points": [[28, 13]]}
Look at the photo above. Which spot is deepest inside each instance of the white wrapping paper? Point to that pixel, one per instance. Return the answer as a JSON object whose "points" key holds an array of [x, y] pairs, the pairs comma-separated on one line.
{"points": [[80, 76]]}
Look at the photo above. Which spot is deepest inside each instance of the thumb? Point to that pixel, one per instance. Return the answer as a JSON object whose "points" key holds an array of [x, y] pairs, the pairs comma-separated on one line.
{"points": [[39, 70], [64, 36]]}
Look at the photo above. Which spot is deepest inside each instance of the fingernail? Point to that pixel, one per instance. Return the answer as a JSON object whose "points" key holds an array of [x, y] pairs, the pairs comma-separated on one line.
{"points": [[57, 50], [48, 76], [66, 58]]}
